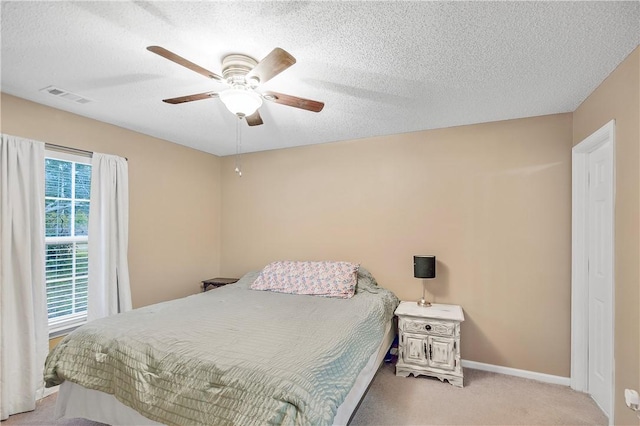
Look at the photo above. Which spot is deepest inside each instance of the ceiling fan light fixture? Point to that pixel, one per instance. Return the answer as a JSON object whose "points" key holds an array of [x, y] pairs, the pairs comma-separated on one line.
{"points": [[253, 81], [241, 101]]}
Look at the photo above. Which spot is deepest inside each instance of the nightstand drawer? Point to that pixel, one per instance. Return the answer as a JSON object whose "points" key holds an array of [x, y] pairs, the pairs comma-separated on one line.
{"points": [[428, 326]]}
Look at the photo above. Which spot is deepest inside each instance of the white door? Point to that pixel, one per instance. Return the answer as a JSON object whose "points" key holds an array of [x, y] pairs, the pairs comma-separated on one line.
{"points": [[592, 260], [600, 264]]}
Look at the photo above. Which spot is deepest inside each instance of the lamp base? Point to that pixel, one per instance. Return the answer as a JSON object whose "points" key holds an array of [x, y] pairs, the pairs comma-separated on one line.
{"points": [[423, 303]]}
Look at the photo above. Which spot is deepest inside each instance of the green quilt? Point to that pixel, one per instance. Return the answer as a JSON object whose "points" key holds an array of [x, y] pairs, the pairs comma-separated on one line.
{"points": [[231, 355]]}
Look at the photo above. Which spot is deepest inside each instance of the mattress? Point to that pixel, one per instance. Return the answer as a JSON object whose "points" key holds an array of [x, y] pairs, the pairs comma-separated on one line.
{"points": [[75, 401], [231, 356]]}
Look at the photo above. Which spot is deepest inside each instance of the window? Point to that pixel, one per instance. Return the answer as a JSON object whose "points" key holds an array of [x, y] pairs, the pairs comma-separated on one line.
{"points": [[67, 189]]}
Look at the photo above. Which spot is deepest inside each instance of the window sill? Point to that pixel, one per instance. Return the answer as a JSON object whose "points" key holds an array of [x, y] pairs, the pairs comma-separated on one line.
{"points": [[66, 326], [63, 331]]}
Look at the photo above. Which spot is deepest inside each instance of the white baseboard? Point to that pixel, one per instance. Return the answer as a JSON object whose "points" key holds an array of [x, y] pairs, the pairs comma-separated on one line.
{"points": [[45, 392], [541, 377], [50, 391]]}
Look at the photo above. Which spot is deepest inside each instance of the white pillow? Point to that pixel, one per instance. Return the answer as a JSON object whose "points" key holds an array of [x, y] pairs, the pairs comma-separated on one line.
{"points": [[328, 279]]}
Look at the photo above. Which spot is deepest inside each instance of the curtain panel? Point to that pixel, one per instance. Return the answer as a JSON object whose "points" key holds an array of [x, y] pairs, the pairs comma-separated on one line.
{"points": [[108, 290], [24, 338]]}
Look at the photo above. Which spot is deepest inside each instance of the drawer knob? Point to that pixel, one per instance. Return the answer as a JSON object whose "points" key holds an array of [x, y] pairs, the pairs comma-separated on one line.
{"points": [[427, 327]]}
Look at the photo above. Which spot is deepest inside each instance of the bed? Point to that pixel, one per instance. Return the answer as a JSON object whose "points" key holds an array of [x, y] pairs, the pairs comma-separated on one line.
{"points": [[234, 355]]}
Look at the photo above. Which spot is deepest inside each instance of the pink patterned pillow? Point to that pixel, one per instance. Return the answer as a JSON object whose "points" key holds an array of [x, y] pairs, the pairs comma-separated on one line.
{"points": [[328, 279]]}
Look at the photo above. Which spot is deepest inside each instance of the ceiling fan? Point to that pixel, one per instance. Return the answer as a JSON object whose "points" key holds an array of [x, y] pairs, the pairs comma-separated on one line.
{"points": [[243, 75]]}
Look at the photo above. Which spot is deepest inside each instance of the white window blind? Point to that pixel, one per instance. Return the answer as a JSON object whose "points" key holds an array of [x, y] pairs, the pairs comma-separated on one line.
{"points": [[67, 191]]}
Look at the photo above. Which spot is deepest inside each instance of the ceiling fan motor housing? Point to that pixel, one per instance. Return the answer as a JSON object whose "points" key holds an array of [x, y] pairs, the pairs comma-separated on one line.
{"points": [[235, 67]]}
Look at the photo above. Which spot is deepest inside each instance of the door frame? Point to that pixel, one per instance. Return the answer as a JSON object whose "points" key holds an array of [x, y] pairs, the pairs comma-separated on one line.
{"points": [[603, 137]]}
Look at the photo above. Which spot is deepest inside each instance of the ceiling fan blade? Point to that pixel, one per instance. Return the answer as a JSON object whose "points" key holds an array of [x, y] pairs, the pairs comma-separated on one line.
{"points": [[184, 62], [273, 64], [254, 119], [294, 101], [189, 98]]}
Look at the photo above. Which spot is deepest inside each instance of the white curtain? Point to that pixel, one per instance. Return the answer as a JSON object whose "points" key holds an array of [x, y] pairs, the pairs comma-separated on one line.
{"points": [[108, 289], [24, 341]]}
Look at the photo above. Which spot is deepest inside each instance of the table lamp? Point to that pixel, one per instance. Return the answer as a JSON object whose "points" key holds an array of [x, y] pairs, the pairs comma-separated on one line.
{"points": [[424, 266]]}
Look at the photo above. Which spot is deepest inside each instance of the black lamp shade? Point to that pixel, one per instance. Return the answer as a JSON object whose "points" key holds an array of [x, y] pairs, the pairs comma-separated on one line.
{"points": [[424, 266]]}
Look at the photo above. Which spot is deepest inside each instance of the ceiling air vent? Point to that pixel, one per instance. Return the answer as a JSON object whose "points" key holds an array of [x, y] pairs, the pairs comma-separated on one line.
{"points": [[65, 94]]}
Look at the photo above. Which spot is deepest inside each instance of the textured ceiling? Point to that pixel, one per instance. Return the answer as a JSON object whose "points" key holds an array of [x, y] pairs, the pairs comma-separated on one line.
{"points": [[380, 67]]}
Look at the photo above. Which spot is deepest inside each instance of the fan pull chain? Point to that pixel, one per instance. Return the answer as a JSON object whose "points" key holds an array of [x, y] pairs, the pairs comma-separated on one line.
{"points": [[238, 147]]}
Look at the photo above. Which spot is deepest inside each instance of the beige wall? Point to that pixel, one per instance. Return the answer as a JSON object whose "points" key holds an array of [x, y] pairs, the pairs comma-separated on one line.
{"points": [[491, 201], [174, 197], [618, 97], [54, 341]]}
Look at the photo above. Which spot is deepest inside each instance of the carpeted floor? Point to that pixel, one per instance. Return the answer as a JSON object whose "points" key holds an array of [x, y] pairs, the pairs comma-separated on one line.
{"points": [[43, 416], [486, 399]]}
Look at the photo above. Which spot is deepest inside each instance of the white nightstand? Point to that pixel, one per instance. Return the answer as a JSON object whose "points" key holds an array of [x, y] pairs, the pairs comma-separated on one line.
{"points": [[429, 342]]}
